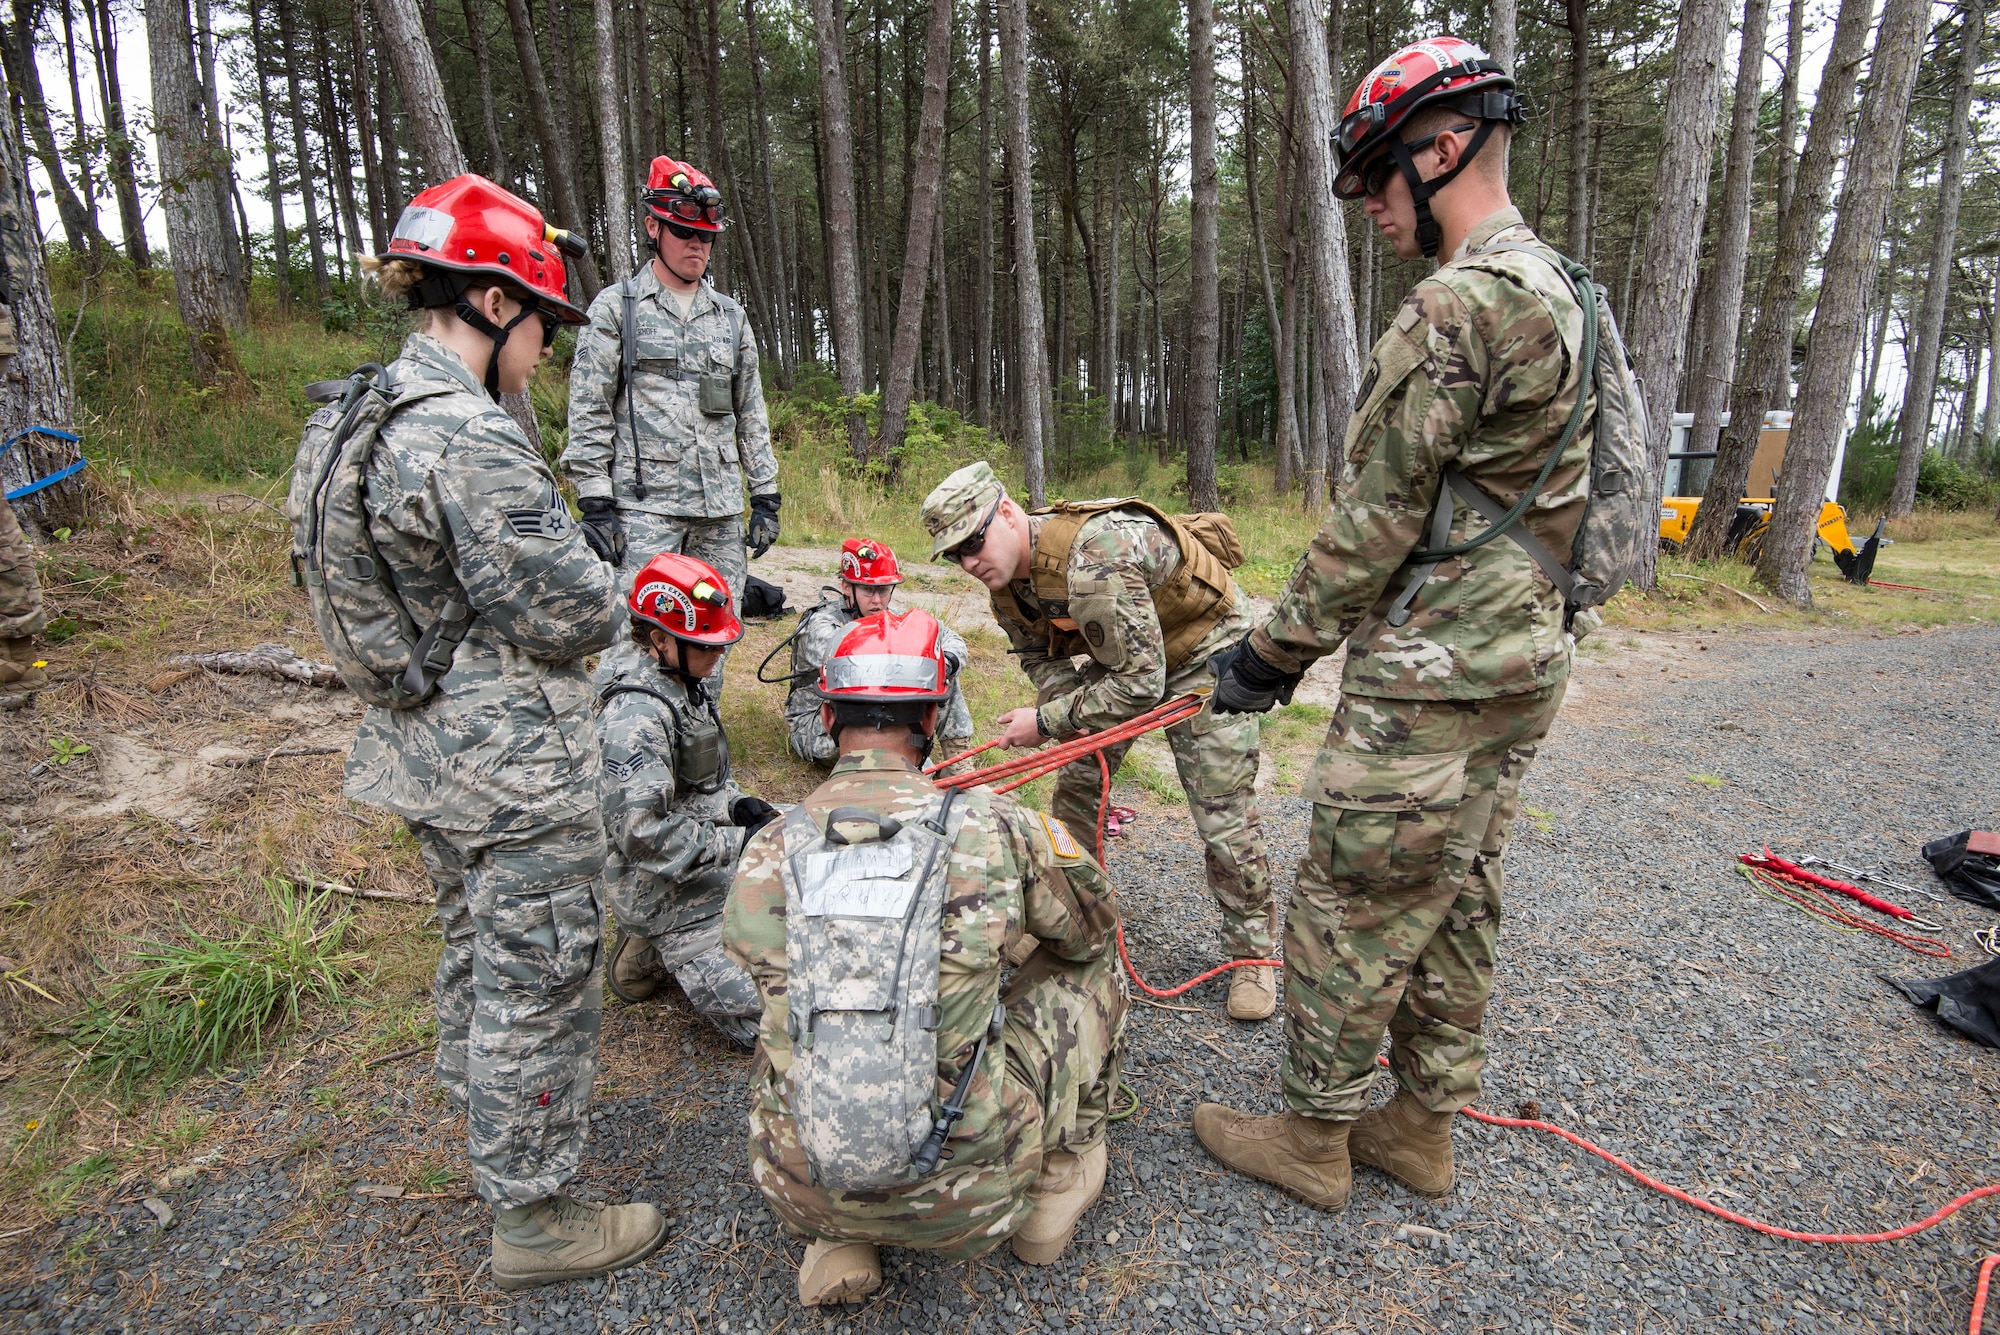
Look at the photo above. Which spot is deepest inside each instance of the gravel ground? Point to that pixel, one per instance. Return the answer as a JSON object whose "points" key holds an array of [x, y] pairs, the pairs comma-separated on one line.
{"points": [[1646, 999]]}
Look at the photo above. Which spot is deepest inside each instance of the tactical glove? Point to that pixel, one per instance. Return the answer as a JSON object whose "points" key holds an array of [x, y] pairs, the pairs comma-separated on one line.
{"points": [[751, 814], [763, 523], [602, 530], [1246, 684]]}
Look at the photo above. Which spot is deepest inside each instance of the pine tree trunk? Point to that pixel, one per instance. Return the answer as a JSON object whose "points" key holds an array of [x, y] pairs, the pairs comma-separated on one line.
{"points": [[1033, 364], [410, 55], [1114, 280], [26, 78], [1732, 249], [1768, 350], [982, 288], [1501, 22], [202, 281], [281, 244], [1578, 242], [1286, 425], [222, 173], [1326, 268], [611, 142], [1779, 392], [555, 147], [1659, 318], [301, 157], [1990, 427], [917, 242], [364, 125], [781, 283], [1205, 313], [86, 178], [36, 390], [1913, 426], [118, 139], [489, 111], [334, 136], [843, 271]]}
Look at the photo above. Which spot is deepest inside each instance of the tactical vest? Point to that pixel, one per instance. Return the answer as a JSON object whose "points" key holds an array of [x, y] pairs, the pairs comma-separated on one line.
{"points": [[864, 917], [1189, 605], [701, 748]]}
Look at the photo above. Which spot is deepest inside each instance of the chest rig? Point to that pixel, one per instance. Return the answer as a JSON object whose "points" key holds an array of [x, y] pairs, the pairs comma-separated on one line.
{"points": [[701, 748], [1189, 604]]}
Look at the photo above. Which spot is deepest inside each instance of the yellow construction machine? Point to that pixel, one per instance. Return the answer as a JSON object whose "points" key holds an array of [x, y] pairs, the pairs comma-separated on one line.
{"points": [[1687, 471]]}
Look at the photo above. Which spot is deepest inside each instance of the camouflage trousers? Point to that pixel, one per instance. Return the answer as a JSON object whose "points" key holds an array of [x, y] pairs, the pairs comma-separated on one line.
{"points": [[716, 541], [684, 923], [1396, 919], [1216, 758], [519, 992], [21, 614], [1064, 1044]]}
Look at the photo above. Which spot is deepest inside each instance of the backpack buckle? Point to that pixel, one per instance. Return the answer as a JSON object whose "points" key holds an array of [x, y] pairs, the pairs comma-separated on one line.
{"points": [[361, 567]]}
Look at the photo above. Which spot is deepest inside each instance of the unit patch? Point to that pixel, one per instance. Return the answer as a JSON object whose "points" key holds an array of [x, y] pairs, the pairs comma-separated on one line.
{"points": [[1060, 837], [1094, 632]]}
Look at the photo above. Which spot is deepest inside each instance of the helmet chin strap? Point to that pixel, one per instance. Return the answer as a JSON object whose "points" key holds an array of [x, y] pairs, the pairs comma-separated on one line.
{"points": [[1430, 236], [678, 671], [475, 317]]}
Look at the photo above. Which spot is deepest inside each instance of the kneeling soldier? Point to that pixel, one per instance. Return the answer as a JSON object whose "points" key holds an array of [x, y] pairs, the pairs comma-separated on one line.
{"points": [[878, 919], [671, 809], [868, 579]]}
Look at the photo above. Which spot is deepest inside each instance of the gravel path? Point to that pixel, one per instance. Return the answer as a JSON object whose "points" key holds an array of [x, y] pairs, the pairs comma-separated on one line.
{"points": [[1646, 999]]}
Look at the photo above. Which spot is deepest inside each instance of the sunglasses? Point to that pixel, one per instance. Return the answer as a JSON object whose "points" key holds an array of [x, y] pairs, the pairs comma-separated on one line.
{"points": [[1371, 179], [551, 325], [679, 232], [973, 543]]}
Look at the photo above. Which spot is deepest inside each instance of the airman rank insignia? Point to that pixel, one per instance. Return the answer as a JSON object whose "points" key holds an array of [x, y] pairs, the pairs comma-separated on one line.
{"points": [[1060, 837]]}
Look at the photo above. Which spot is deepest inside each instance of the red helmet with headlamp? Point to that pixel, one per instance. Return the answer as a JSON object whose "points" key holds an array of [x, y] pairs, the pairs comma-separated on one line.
{"points": [[680, 193], [866, 561], [887, 658], [685, 598], [469, 228]]}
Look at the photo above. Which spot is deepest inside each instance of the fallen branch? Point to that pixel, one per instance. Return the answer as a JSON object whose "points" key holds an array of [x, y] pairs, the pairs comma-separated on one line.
{"points": [[283, 752], [1720, 585], [266, 660], [334, 887], [395, 1056]]}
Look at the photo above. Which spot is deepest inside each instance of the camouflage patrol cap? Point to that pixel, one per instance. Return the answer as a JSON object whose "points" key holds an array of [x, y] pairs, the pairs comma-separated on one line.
{"points": [[957, 505]]}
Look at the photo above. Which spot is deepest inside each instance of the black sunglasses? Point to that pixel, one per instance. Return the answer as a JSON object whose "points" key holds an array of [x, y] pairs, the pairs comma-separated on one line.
{"points": [[977, 539], [1375, 176], [675, 229]]}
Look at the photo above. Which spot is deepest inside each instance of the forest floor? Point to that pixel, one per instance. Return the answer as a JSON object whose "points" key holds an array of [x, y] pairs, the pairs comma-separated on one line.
{"points": [[1645, 998]]}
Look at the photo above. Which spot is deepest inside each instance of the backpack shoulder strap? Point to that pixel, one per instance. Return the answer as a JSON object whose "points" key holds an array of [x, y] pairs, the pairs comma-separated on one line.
{"points": [[628, 360], [1048, 567]]}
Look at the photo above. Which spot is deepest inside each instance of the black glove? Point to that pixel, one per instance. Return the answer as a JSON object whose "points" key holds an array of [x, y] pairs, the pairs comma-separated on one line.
{"points": [[602, 530], [751, 814], [1246, 684], [763, 523]]}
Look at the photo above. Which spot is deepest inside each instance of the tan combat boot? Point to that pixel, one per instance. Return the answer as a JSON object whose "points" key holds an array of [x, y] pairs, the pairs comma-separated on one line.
{"points": [[832, 1271], [1407, 1141], [1304, 1155], [1253, 992], [21, 674], [565, 1238], [636, 971], [1069, 1184]]}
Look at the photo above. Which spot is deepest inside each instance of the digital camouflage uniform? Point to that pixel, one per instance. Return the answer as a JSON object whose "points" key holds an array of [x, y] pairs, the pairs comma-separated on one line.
{"points": [[498, 773], [21, 615], [813, 643], [673, 850], [1118, 559], [1048, 1084], [693, 466], [1397, 913]]}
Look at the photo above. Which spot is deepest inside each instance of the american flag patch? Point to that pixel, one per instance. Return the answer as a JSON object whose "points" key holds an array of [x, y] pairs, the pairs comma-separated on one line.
{"points": [[1060, 837]]}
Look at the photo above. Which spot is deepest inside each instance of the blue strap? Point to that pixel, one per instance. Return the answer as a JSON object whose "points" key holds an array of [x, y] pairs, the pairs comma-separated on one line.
{"points": [[51, 479], [42, 431]]}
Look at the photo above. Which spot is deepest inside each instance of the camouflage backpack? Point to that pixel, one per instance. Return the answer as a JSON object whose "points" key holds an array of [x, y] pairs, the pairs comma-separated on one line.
{"points": [[383, 655], [1618, 519], [864, 908]]}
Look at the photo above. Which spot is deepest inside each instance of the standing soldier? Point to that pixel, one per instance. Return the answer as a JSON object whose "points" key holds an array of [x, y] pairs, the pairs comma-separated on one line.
{"points": [[1456, 661], [868, 579], [671, 808], [666, 413], [878, 919], [1146, 599], [480, 736], [21, 616]]}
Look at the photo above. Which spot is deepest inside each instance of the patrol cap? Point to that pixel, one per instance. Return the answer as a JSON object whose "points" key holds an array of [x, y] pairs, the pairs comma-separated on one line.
{"points": [[958, 505]]}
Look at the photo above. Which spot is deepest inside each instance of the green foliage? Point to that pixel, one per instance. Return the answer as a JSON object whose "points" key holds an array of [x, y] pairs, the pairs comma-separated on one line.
{"points": [[190, 1007], [67, 749], [1868, 475]]}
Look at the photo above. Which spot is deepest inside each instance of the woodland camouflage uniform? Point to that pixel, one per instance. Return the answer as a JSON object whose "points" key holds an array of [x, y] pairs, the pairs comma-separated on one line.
{"points": [[673, 850], [1396, 917], [694, 467], [1013, 874], [498, 773], [818, 635], [1118, 559]]}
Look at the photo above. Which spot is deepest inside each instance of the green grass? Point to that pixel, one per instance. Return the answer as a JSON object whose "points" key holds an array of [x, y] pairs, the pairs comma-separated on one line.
{"points": [[192, 1006]]}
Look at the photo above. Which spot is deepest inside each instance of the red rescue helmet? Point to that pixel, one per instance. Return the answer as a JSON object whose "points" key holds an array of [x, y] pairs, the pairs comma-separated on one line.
{"points": [[888, 658], [469, 226], [680, 192], [686, 599], [866, 561]]}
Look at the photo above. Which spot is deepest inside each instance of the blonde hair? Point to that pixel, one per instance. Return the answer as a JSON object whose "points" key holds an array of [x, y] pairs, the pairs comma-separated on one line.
{"points": [[397, 276]]}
